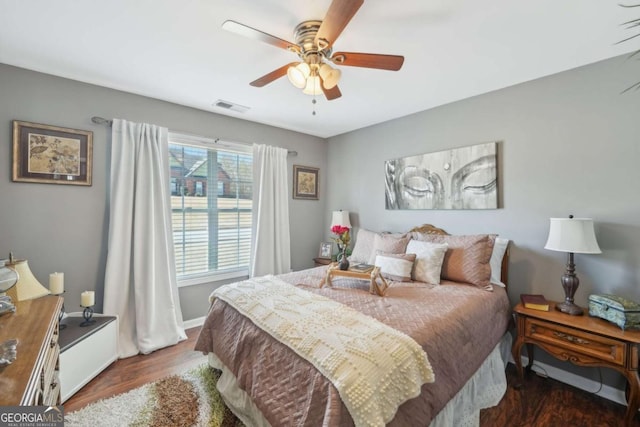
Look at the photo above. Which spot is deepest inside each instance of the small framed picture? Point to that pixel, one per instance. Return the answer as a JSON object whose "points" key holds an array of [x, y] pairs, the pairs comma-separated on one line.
{"points": [[305, 182], [51, 154], [325, 250]]}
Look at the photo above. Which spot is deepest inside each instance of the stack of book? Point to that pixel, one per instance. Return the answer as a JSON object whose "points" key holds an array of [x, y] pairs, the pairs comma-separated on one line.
{"points": [[362, 268], [534, 302]]}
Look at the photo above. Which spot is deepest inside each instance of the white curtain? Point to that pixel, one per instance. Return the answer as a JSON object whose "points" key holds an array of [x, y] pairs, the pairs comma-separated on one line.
{"points": [[271, 249], [140, 281]]}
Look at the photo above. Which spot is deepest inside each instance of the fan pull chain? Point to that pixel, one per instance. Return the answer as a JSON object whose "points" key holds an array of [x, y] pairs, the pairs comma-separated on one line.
{"points": [[313, 101]]}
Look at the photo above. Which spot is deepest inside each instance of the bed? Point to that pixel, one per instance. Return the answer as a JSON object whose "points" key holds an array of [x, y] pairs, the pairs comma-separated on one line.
{"points": [[460, 326]]}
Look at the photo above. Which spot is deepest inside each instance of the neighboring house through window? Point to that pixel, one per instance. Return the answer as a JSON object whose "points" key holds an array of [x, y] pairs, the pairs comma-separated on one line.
{"points": [[211, 200]]}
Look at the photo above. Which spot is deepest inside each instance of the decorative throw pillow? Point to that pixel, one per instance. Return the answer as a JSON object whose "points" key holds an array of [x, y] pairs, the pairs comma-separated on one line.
{"points": [[389, 243], [363, 248], [429, 258], [499, 249], [395, 266], [467, 259]]}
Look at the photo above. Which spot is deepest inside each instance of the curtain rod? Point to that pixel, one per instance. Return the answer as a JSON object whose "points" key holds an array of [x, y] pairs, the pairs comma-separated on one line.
{"points": [[103, 121]]}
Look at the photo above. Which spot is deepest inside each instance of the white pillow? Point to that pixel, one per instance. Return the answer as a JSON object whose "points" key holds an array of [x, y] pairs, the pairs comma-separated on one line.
{"points": [[395, 266], [363, 248], [429, 258], [499, 249]]}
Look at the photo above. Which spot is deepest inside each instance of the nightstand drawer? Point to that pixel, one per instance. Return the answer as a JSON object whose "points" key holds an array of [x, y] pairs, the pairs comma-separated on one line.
{"points": [[585, 343]]}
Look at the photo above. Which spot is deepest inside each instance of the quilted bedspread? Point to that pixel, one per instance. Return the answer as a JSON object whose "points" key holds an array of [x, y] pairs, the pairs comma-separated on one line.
{"points": [[356, 353], [456, 324]]}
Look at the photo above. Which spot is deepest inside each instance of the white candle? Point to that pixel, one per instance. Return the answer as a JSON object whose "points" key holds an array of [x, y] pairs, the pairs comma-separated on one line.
{"points": [[56, 283], [87, 298]]}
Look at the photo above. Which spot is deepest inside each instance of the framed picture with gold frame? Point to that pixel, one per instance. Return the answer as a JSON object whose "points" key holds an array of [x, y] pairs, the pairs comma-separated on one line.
{"points": [[305, 182], [51, 154]]}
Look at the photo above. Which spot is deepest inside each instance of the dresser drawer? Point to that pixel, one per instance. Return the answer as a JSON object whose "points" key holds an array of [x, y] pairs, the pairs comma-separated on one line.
{"points": [[51, 394], [49, 375], [576, 341]]}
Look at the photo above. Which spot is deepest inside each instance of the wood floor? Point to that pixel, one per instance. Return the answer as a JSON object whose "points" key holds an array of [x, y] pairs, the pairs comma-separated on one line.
{"points": [[130, 373], [540, 403], [544, 402]]}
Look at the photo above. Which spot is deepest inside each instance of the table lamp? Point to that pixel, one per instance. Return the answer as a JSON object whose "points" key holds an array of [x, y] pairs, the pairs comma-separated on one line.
{"points": [[571, 235], [340, 218], [27, 286]]}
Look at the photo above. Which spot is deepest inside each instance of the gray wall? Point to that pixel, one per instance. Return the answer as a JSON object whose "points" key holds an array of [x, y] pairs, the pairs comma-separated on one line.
{"points": [[570, 144], [64, 228]]}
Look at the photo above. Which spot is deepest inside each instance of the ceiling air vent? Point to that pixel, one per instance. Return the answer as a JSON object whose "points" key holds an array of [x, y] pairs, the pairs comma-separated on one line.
{"points": [[230, 106]]}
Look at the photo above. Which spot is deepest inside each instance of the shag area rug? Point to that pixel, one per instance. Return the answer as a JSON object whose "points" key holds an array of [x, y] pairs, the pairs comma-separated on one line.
{"points": [[189, 399]]}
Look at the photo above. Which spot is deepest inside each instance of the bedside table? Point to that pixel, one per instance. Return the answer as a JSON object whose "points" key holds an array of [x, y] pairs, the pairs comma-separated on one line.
{"points": [[582, 340], [321, 261]]}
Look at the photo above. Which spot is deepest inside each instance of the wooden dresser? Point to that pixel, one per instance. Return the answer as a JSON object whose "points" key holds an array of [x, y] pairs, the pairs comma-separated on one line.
{"points": [[32, 379]]}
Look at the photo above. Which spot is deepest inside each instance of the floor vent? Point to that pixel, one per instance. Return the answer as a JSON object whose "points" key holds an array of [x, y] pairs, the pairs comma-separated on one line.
{"points": [[230, 106]]}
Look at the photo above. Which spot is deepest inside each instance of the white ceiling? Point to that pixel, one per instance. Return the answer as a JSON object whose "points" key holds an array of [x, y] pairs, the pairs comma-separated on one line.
{"points": [[176, 50]]}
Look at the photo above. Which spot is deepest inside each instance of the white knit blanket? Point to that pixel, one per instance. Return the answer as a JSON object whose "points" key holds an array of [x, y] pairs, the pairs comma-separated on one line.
{"points": [[374, 367]]}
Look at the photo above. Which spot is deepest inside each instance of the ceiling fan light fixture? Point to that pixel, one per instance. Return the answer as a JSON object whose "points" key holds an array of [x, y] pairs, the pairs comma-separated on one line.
{"points": [[298, 75], [313, 86], [330, 76], [313, 45]]}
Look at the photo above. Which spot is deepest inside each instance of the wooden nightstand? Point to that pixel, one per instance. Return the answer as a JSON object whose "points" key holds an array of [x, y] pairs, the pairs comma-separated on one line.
{"points": [[582, 340], [321, 261]]}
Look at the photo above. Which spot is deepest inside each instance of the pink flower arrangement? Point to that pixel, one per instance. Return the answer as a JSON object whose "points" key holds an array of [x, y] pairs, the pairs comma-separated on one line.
{"points": [[342, 236]]}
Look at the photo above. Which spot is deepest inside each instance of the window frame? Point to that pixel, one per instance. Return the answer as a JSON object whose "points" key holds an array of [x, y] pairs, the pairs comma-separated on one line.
{"points": [[208, 144]]}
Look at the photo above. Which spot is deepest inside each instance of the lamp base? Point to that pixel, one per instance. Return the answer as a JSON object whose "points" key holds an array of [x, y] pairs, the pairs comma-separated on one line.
{"points": [[570, 283], [570, 308]]}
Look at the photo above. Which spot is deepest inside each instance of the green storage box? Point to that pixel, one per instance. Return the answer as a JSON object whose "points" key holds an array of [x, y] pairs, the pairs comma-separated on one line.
{"points": [[621, 311]]}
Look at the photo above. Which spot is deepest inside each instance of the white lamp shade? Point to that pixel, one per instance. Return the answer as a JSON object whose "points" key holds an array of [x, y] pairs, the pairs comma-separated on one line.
{"points": [[340, 218], [27, 286], [298, 75], [572, 235], [313, 86], [330, 76]]}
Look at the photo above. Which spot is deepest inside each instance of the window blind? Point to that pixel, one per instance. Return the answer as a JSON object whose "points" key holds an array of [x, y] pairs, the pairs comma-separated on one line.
{"points": [[211, 201]]}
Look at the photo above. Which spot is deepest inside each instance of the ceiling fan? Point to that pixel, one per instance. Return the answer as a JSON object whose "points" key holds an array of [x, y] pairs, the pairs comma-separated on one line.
{"points": [[314, 42]]}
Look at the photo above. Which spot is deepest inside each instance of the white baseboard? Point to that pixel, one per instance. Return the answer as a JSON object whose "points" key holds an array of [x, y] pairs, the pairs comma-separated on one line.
{"points": [[193, 323], [610, 393]]}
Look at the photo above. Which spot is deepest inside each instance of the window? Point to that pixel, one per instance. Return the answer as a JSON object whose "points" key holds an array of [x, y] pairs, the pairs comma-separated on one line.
{"points": [[211, 198]]}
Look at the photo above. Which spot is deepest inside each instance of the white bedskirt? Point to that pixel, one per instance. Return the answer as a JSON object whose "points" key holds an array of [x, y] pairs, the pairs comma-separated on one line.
{"points": [[483, 390]]}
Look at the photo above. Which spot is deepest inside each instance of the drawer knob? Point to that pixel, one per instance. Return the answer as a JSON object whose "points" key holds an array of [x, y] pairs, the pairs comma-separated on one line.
{"points": [[571, 338]]}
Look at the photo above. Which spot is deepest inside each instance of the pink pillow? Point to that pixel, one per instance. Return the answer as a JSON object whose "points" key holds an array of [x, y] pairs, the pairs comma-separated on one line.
{"points": [[467, 259], [388, 243]]}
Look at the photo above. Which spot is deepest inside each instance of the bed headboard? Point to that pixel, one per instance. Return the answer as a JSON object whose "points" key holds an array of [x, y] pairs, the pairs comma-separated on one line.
{"points": [[504, 268]]}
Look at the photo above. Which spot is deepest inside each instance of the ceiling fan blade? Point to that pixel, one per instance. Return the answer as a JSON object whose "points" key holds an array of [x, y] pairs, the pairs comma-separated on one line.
{"points": [[368, 60], [338, 16], [332, 93], [274, 75], [252, 33]]}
